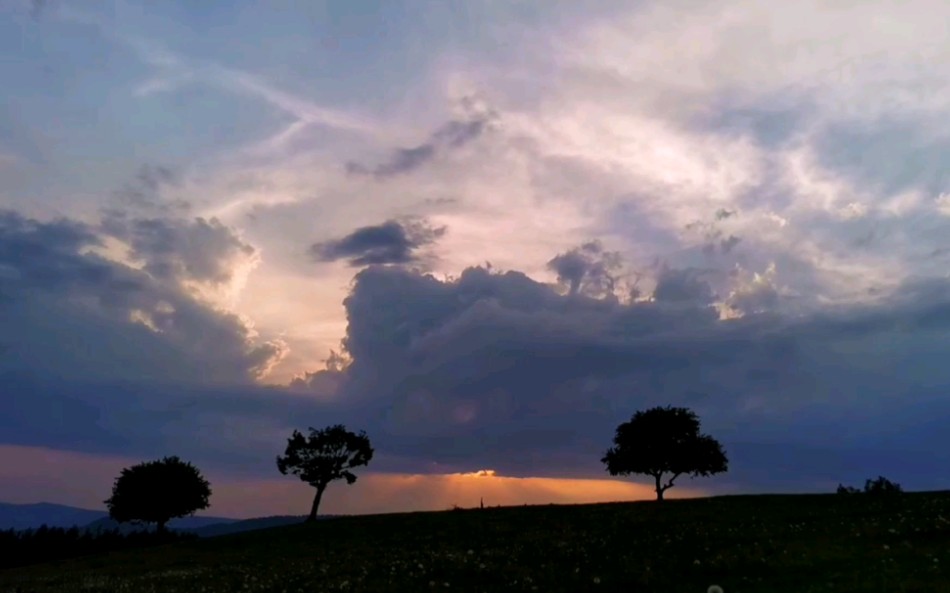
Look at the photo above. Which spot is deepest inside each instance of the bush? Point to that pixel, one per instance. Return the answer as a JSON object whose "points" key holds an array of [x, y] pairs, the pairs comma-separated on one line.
{"points": [[847, 489], [881, 487]]}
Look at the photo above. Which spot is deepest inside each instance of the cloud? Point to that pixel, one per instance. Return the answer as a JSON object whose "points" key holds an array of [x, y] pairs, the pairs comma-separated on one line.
{"points": [[184, 250], [451, 136], [391, 242], [892, 155], [587, 270], [500, 370], [683, 286], [755, 294], [304, 110], [146, 190], [784, 179], [490, 369], [78, 314]]}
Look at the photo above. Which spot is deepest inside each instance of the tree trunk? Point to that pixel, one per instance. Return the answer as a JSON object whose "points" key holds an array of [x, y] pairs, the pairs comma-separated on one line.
{"points": [[160, 526], [315, 505], [659, 488]]}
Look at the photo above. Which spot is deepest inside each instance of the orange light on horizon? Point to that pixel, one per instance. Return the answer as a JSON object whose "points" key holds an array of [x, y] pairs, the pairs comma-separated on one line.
{"points": [[34, 474], [482, 473]]}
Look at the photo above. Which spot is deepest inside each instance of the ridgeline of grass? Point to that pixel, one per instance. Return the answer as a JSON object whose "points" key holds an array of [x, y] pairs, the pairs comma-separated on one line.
{"points": [[766, 543]]}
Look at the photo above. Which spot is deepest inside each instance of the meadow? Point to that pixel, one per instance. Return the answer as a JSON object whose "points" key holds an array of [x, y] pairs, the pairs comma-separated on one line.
{"points": [[744, 544]]}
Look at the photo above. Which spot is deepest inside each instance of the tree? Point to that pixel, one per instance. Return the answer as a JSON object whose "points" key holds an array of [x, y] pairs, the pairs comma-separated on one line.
{"points": [[158, 491], [881, 487], [662, 441], [326, 455]]}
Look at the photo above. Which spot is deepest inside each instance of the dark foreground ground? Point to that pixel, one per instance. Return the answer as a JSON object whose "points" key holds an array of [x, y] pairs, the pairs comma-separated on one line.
{"points": [[772, 544]]}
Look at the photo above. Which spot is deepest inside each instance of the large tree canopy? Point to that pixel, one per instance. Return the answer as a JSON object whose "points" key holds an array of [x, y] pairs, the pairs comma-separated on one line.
{"points": [[158, 491], [662, 441], [326, 455]]}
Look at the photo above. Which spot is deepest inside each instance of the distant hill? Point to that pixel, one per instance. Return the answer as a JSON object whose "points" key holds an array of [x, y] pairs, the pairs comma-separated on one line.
{"points": [[28, 516], [31, 516]]}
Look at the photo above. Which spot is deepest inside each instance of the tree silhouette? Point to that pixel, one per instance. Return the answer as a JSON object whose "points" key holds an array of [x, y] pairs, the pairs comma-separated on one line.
{"points": [[158, 491], [326, 455], [662, 441]]}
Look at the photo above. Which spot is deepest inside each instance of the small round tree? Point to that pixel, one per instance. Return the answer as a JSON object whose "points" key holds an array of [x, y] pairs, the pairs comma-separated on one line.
{"points": [[663, 441], [326, 455], [158, 491]]}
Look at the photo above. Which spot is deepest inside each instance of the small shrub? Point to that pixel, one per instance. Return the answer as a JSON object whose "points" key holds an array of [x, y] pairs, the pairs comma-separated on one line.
{"points": [[882, 487]]}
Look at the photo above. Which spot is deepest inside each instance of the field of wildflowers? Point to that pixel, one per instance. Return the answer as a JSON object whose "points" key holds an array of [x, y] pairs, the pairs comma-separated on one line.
{"points": [[741, 544]]}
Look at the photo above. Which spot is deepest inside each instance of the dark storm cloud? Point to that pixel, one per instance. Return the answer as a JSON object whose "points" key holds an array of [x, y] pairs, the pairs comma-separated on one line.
{"points": [[497, 370], [230, 426], [100, 357], [760, 297], [451, 136], [392, 242], [52, 245], [683, 286], [491, 370], [72, 313]]}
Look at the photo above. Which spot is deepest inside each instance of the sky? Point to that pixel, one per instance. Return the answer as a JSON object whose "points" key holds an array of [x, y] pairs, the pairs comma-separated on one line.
{"points": [[484, 232]]}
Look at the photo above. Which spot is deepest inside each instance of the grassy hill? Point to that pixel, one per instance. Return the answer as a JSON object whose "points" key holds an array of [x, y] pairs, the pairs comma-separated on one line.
{"points": [[205, 526], [772, 543], [219, 529]]}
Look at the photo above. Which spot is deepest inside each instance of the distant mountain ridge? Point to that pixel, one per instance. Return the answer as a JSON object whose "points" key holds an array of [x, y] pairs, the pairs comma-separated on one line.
{"points": [[31, 516]]}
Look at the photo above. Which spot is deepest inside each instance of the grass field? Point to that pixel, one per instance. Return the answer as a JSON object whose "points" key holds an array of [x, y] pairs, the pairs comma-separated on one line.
{"points": [[769, 544]]}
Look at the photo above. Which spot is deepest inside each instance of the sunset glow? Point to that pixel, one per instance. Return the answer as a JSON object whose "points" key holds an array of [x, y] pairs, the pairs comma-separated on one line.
{"points": [[484, 233]]}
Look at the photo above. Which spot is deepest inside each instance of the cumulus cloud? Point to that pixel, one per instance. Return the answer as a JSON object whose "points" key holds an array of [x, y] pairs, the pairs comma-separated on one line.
{"points": [[78, 314], [754, 293], [392, 242], [180, 249], [588, 269], [501, 370], [494, 369]]}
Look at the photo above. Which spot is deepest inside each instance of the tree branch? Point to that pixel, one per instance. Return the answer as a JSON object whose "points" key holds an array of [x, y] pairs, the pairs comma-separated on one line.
{"points": [[670, 483]]}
